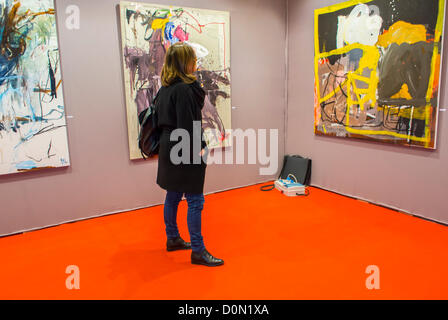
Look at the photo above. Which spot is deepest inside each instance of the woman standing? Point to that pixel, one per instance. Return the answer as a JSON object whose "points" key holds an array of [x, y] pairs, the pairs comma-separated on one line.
{"points": [[179, 104]]}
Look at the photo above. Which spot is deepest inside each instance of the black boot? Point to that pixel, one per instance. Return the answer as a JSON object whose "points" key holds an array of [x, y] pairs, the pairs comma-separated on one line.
{"points": [[177, 244], [206, 259]]}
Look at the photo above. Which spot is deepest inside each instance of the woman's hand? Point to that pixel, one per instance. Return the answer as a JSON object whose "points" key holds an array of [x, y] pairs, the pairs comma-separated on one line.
{"points": [[202, 152]]}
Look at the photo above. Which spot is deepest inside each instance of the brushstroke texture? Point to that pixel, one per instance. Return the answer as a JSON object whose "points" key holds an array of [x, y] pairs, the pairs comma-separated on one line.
{"points": [[148, 32], [377, 70], [31, 102]]}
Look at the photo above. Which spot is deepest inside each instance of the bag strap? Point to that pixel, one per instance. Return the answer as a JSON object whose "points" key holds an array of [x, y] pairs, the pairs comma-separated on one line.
{"points": [[270, 187], [155, 97], [267, 187]]}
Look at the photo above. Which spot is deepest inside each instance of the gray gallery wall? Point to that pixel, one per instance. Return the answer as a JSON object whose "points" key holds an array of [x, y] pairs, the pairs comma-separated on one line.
{"points": [[101, 178], [411, 180]]}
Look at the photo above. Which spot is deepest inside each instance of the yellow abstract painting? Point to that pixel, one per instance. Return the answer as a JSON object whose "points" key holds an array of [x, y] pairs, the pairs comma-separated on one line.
{"points": [[377, 67]]}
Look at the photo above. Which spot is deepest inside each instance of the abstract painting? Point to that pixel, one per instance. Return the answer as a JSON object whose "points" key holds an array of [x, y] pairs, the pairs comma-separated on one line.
{"points": [[33, 133], [148, 30], [377, 67]]}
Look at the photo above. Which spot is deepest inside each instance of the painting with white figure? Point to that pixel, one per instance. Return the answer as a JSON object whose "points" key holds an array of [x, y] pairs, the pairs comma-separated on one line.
{"points": [[377, 70], [148, 30], [33, 133]]}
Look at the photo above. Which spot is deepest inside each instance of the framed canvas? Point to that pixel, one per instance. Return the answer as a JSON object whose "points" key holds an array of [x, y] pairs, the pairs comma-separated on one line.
{"points": [[33, 133], [148, 30], [377, 70]]}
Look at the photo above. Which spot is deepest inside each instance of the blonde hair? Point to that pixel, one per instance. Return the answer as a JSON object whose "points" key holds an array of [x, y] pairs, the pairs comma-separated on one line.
{"points": [[178, 58]]}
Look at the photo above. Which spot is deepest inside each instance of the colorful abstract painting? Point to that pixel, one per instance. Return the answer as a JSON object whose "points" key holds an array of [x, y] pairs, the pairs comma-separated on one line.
{"points": [[148, 30], [33, 133], [377, 67]]}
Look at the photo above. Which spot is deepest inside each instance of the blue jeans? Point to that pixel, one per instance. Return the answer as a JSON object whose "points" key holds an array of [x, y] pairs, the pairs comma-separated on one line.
{"points": [[194, 214]]}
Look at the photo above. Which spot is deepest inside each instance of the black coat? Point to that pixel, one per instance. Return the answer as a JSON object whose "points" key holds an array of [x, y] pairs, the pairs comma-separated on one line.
{"points": [[178, 106]]}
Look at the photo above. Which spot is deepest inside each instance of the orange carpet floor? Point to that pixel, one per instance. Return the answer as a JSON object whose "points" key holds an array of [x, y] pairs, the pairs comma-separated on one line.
{"points": [[274, 247]]}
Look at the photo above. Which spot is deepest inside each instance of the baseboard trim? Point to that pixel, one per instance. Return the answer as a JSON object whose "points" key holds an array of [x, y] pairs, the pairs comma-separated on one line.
{"points": [[220, 191], [381, 205], [116, 212]]}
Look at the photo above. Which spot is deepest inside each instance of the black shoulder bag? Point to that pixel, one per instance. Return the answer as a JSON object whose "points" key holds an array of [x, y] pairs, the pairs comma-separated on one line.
{"points": [[296, 166], [149, 135]]}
